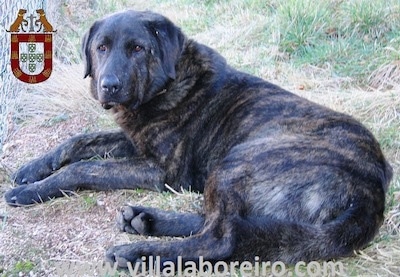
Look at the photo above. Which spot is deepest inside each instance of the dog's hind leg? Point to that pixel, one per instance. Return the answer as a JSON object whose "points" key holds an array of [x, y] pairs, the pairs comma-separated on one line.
{"points": [[215, 240], [243, 238], [155, 222], [213, 243], [289, 242]]}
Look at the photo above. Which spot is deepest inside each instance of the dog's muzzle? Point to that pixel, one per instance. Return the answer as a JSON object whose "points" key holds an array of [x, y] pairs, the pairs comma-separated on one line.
{"points": [[109, 105]]}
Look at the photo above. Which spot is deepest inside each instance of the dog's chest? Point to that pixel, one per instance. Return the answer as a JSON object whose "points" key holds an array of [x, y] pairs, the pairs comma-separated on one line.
{"points": [[156, 138]]}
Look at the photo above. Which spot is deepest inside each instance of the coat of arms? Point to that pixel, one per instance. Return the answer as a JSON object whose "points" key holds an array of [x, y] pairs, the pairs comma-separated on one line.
{"points": [[31, 47]]}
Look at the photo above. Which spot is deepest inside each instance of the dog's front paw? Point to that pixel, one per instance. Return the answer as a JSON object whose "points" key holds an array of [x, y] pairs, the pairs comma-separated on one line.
{"points": [[22, 195], [123, 255], [37, 192], [33, 171], [135, 220]]}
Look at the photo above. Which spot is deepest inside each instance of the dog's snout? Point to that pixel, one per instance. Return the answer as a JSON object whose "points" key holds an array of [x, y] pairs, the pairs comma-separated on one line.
{"points": [[110, 84]]}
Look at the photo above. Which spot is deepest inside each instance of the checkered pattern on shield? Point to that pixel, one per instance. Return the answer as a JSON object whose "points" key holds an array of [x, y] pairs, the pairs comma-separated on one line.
{"points": [[32, 67], [39, 58], [31, 47], [24, 57], [32, 58]]}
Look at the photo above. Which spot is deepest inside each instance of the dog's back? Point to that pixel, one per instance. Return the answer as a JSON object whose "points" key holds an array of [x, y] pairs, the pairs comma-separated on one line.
{"points": [[290, 179], [311, 182]]}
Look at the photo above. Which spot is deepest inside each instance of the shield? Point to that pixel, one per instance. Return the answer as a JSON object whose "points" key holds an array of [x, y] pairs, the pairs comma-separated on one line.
{"points": [[24, 65]]}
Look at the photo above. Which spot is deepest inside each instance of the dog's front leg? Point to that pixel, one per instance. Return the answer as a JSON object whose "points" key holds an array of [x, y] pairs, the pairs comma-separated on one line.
{"points": [[75, 149], [97, 175]]}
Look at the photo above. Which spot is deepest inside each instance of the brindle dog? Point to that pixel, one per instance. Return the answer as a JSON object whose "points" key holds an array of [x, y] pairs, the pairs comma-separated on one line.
{"points": [[283, 178]]}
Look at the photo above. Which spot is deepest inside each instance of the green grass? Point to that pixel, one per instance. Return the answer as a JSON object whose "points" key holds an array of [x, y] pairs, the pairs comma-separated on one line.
{"points": [[393, 194], [89, 201], [350, 38], [21, 268], [56, 119], [301, 25]]}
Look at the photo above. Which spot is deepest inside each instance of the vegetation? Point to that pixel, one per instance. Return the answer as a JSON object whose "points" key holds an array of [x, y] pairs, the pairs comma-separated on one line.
{"points": [[351, 39]]}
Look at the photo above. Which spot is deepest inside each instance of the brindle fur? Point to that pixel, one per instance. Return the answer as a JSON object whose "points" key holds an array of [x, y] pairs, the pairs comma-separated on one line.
{"points": [[283, 178]]}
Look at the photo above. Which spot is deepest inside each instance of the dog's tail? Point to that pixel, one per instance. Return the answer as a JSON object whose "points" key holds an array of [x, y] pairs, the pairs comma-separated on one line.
{"points": [[290, 242]]}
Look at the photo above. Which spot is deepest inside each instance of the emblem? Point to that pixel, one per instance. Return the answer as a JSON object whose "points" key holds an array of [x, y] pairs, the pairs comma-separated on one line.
{"points": [[31, 47]]}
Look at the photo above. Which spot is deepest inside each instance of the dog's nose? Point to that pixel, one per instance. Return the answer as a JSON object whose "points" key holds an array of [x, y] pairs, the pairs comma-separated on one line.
{"points": [[110, 84]]}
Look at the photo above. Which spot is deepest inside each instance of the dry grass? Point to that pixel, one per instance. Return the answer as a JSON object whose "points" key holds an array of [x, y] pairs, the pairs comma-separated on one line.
{"points": [[66, 92], [386, 76], [80, 228]]}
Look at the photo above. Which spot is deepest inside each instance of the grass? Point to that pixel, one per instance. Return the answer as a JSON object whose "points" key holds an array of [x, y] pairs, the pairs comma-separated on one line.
{"points": [[21, 268], [350, 37], [342, 54]]}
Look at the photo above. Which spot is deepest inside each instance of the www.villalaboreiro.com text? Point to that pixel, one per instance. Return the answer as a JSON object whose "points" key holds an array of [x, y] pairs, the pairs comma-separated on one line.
{"points": [[154, 266]]}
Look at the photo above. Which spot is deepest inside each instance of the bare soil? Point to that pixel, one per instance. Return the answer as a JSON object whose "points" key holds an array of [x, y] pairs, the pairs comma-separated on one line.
{"points": [[75, 229]]}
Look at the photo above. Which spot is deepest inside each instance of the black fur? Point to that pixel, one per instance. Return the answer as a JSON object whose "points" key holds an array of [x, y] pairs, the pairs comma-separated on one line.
{"points": [[283, 178]]}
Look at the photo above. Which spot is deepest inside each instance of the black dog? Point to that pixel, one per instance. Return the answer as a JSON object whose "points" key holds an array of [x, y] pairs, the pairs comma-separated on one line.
{"points": [[283, 178]]}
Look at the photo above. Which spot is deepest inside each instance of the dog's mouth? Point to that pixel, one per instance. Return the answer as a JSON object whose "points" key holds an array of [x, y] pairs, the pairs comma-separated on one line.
{"points": [[109, 105]]}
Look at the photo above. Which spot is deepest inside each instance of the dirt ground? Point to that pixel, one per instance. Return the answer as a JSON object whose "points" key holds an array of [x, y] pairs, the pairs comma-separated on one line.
{"points": [[77, 230], [35, 240]]}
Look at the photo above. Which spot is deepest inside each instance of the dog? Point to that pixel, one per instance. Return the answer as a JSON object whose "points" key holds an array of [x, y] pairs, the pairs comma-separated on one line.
{"points": [[47, 27], [20, 21], [283, 178]]}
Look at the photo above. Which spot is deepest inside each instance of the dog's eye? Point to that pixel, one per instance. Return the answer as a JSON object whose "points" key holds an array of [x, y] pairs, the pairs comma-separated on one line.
{"points": [[137, 48], [102, 48]]}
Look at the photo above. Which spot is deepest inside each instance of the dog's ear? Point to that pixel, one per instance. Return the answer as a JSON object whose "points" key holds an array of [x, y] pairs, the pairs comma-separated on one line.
{"points": [[170, 41], [86, 45]]}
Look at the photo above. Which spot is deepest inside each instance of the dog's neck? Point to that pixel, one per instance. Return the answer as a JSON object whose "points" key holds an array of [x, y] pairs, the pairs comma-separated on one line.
{"points": [[198, 66], [196, 60]]}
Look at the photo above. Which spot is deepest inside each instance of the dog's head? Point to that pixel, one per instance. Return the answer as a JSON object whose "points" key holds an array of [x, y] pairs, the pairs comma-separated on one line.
{"points": [[131, 56]]}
